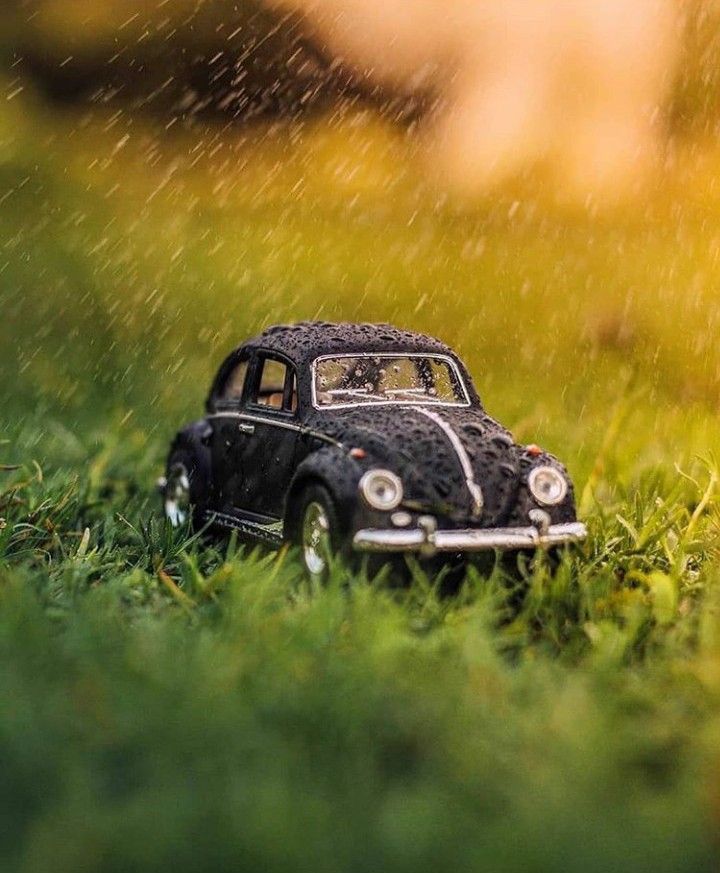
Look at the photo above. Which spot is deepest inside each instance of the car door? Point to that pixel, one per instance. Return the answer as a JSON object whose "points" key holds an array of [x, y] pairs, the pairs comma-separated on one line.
{"points": [[267, 455], [228, 434]]}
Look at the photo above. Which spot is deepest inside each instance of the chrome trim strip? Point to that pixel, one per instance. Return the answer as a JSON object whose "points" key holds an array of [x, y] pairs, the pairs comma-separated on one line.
{"points": [[284, 424], [462, 455], [244, 417], [469, 540], [434, 355]]}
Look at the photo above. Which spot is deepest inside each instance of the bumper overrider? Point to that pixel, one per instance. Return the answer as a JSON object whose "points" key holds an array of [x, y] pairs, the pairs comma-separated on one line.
{"points": [[426, 539]]}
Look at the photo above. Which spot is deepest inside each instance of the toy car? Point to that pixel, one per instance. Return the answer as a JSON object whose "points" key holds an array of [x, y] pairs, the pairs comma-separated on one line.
{"points": [[361, 436]]}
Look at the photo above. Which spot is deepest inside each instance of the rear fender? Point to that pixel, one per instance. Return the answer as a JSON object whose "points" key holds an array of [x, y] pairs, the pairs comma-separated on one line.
{"points": [[194, 438]]}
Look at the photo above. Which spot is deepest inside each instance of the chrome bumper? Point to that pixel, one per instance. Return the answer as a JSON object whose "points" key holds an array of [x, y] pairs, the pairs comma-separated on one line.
{"points": [[427, 541]]}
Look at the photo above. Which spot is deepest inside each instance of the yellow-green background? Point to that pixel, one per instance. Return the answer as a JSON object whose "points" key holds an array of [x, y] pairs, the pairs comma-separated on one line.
{"points": [[172, 703]]}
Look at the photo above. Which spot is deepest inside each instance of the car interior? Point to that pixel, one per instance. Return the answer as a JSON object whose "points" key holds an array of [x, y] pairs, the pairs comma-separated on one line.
{"points": [[273, 390]]}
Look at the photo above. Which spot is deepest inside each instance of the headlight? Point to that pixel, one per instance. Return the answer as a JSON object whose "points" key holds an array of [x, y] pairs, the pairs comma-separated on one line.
{"points": [[547, 486], [381, 489]]}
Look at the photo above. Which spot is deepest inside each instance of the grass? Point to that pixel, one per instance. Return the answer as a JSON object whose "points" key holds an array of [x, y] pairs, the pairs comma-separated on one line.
{"points": [[169, 703]]}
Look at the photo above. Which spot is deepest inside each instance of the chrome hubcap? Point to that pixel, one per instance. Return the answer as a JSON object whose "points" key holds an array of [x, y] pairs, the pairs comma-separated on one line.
{"points": [[177, 495], [316, 538]]}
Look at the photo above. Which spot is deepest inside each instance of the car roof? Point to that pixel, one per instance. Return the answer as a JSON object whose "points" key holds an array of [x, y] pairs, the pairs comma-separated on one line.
{"points": [[306, 340]]}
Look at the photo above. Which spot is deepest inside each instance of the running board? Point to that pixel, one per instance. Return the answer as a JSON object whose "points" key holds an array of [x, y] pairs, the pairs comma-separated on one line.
{"points": [[270, 533]]}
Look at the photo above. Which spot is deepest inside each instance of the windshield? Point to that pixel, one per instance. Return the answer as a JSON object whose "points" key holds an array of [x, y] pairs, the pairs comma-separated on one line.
{"points": [[385, 378]]}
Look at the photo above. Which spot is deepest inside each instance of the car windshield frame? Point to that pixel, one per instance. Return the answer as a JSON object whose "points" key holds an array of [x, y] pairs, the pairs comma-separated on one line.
{"points": [[435, 356]]}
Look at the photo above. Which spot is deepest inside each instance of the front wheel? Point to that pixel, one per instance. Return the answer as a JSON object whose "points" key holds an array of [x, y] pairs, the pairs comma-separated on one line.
{"points": [[316, 530]]}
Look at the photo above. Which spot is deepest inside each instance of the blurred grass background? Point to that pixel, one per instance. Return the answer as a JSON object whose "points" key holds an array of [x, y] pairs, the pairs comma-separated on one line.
{"points": [[171, 703]]}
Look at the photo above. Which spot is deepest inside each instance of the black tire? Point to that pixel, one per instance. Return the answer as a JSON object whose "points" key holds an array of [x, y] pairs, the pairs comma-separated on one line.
{"points": [[315, 506], [186, 492]]}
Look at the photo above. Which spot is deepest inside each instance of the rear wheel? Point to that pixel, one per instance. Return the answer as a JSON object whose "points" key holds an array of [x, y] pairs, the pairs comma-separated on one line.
{"points": [[186, 489], [176, 499]]}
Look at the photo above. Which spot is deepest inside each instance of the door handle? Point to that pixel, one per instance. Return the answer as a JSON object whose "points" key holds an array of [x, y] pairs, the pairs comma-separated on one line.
{"points": [[246, 428]]}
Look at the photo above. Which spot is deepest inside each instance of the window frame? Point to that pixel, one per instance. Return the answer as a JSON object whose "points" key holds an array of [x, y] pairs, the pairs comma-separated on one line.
{"points": [[450, 361], [252, 385], [216, 400]]}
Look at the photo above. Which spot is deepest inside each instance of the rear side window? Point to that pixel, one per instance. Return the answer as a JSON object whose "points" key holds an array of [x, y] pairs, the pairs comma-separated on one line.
{"points": [[276, 386], [235, 382]]}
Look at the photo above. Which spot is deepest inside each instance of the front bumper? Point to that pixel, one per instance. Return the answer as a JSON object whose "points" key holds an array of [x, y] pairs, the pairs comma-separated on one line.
{"points": [[427, 540]]}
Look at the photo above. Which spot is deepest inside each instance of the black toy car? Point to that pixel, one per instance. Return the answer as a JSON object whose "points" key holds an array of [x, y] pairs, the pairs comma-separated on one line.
{"points": [[362, 436]]}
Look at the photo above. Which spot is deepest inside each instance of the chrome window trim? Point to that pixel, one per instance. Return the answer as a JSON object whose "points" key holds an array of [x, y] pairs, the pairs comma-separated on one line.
{"points": [[432, 355]]}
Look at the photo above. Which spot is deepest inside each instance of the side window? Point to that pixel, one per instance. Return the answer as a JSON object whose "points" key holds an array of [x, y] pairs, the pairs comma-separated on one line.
{"points": [[235, 382], [277, 386]]}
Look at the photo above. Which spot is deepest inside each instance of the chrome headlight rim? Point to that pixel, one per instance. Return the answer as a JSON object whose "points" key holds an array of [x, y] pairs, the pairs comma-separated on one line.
{"points": [[381, 489], [558, 479]]}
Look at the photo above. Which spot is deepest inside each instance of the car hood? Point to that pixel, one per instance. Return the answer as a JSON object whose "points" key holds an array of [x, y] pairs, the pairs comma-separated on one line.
{"points": [[456, 461]]}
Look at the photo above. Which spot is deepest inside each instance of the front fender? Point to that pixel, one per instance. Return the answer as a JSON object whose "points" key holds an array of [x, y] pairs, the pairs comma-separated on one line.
{"points": [[562, 513], [332, 467]]}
